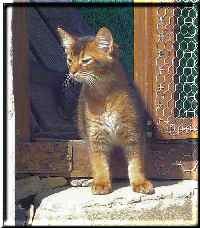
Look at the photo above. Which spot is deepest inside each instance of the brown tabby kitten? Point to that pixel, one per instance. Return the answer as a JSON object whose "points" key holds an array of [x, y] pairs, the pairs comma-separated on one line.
{"points": [[107, 114]]}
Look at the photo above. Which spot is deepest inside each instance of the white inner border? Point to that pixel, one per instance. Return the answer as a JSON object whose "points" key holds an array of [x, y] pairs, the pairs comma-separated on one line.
{"points": [[10, 127], [10, 115]]}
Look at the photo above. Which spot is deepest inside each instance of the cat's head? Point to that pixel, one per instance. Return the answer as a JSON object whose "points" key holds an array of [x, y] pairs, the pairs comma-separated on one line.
{"points": [[87, 57]]}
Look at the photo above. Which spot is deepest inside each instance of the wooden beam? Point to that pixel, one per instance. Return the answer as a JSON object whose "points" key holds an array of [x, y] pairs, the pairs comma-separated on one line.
{"points": [[20, 74], [43, 158]]}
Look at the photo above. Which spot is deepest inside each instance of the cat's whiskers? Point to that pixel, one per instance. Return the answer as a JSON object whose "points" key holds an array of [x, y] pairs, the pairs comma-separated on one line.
{"points": [[84, 76], [68, 80], [90, 80], [89, 77]]}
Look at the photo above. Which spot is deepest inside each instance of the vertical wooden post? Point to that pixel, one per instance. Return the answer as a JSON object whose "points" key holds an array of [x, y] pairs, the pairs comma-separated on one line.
{"points": [[144, 66], [20, 74]]}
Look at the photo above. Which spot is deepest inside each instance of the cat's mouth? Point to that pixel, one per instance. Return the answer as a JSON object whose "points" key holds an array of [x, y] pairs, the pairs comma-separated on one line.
{"points": [[83, 77]]}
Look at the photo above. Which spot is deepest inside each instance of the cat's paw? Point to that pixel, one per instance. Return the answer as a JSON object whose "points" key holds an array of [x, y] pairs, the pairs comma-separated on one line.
{"points": [[101, 188], [145, 187]]}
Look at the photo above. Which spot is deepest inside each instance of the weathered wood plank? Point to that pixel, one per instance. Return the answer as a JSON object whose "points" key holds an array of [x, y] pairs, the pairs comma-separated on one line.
{"points": [[172, 160], [20, 74], [165, 160], [43, 158]]}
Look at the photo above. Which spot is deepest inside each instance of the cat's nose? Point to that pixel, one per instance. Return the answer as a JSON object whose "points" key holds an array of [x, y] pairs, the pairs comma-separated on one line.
{"points": [[73, 71]]}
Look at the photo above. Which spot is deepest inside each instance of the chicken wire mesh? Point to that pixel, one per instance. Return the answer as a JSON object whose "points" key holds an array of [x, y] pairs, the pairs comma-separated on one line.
{"points": [[186, 46], [177, 69]]}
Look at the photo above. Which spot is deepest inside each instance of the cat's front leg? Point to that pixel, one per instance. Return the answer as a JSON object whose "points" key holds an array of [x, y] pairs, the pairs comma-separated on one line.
{"points": [[100, 170], [138, 181]]}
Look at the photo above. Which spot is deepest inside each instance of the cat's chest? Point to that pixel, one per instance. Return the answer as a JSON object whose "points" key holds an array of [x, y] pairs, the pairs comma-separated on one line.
{"points": [[107, 122], [110, 121]]}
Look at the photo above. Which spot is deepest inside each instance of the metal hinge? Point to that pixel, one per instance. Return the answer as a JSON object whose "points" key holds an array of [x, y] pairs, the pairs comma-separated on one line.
{"points": [[69, 156]]}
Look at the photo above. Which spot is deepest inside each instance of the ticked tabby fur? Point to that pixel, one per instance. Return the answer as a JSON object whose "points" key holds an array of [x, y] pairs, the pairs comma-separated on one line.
{"points": [[107, 114]]}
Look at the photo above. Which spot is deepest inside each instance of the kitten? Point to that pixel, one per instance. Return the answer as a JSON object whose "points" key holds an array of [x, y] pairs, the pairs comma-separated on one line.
{"points": [[107, 115]]}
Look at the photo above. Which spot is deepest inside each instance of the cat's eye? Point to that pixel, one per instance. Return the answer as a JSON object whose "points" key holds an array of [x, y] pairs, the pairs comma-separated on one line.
{"points": [[69, 60], [87, 60]]}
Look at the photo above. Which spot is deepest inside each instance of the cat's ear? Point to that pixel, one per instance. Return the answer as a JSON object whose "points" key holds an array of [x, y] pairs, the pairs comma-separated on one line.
{"points": [[104, 40], [66, 39]]}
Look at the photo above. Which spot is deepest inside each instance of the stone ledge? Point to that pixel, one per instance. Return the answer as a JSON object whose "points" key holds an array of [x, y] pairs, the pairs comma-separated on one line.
{"points": [[173, 203]]}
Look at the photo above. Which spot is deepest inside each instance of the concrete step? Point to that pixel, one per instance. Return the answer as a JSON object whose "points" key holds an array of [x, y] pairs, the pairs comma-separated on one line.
{"points": [[173, 203]]}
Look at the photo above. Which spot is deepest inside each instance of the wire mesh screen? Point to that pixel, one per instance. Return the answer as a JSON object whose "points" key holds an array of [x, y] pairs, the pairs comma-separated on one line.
{"points": [[186, 46], [177, 69]]}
